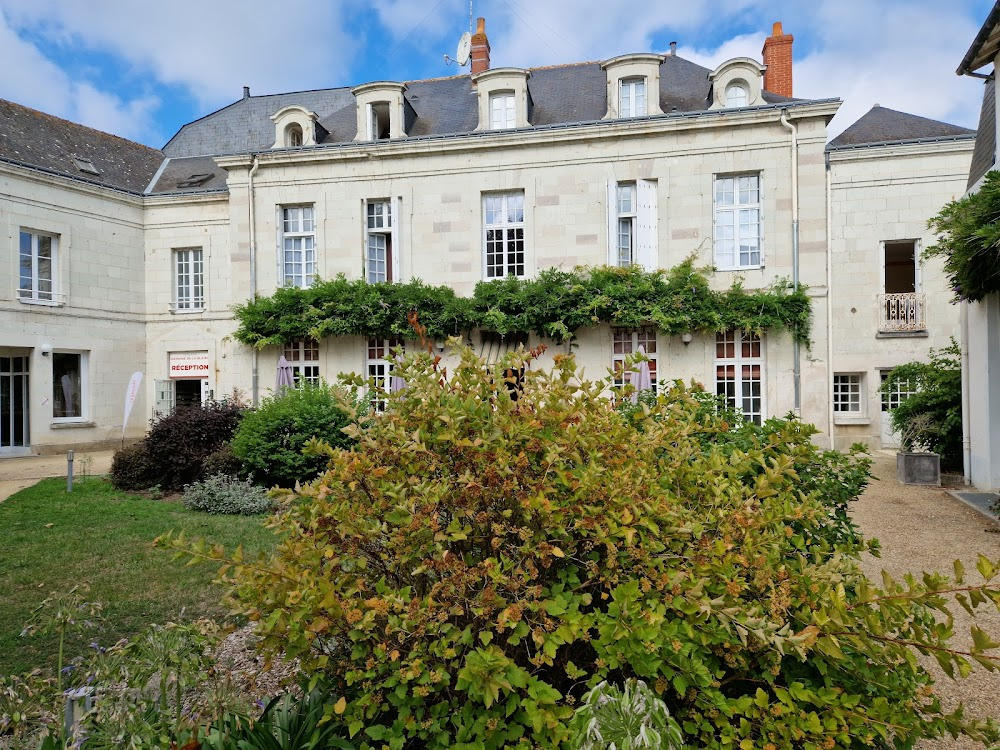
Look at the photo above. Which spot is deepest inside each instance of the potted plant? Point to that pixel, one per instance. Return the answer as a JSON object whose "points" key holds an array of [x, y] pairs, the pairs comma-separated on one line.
{"points": [[917, 463]]}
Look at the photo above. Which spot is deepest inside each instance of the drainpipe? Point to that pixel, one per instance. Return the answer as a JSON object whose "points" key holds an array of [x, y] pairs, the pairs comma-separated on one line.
{"points": [[966, 405], [829, 301], [796, 366], [255, 379]]}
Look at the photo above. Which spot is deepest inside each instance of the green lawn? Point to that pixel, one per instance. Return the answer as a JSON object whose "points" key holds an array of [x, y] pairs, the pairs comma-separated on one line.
{"points": [[51, 540]]}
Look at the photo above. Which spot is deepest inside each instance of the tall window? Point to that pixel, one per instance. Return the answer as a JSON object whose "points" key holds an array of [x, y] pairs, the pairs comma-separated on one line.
{"points": [[38, 267], [504, 234], [189, 279], [303, 356], [632, 232], [739, 373], [737, 222], [378, 366], [298, 245], [502, 113], [625, 234], [737, 95], [380, 229], [68, 385], [625, 341], [632, 97], [847, 393], [293, 135]]}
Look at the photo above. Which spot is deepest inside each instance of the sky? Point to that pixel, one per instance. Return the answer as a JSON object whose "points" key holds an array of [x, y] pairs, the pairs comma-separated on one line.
{"points": [[129, 68]]}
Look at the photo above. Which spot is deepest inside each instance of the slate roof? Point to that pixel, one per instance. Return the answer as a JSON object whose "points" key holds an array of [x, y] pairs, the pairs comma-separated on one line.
{"points": [[561, 94], [49, 143], [884, 126], [985, 46], [984, 152]]}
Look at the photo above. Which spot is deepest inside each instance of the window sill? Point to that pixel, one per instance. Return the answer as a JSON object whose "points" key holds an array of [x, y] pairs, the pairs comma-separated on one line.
{"points": [[42, 302], [844, 419], [902, 334], [730, 269], [187, 311], [71, 424]]}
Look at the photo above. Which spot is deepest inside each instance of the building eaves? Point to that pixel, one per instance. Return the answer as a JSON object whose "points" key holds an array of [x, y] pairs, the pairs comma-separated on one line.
{"points": [[985, 46], [902, 142], [882, 125]]}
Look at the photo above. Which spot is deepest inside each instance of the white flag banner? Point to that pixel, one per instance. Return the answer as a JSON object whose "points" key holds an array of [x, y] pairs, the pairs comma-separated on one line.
{"points": [[130, 396]]}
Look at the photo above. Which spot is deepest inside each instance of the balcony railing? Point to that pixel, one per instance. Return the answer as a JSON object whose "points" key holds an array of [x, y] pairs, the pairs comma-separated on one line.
{"points": [[902, 312]]}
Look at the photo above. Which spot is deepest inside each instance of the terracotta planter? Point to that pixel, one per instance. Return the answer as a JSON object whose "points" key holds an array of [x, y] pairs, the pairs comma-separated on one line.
{"points": [[919, 468]]}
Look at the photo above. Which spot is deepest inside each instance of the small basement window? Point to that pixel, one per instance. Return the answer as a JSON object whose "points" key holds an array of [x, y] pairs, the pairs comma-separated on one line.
{"points": [[86, 165], [194, 180]]}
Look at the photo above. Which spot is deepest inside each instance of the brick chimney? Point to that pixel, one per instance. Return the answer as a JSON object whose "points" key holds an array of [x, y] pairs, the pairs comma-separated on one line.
{"points": [[480, 48], [777, 56]]}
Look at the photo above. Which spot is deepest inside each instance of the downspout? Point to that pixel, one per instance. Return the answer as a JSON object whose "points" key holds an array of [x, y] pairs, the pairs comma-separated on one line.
{"points": [[966, 405], [255, 379], [796, 355], [829, 301]]}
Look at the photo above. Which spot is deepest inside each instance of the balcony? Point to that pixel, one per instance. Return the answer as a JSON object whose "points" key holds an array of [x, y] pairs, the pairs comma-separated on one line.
{"points": [[902, 313]]}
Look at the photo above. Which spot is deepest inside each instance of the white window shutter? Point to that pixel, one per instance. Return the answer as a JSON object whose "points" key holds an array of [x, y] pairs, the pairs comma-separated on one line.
{"points": [[646, 232], [395, 218], [612, 223]]}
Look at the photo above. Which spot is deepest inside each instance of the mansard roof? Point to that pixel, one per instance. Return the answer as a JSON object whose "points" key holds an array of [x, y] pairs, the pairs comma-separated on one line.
{"points": [[34, 139], [884, 126]]}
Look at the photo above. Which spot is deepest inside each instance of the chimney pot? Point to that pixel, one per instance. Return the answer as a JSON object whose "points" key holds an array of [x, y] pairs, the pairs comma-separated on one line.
{"points": [[777, 57], [246, 92], [673, 49], [480, 48]]}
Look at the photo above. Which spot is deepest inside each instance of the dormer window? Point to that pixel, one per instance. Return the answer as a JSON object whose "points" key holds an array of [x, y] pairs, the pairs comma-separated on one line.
{"points": [[632, 97], [195, 180], [293, 135], [296, 126], [737, 83], [383, 112], [504, 101], [633, 85], [86, 166]]}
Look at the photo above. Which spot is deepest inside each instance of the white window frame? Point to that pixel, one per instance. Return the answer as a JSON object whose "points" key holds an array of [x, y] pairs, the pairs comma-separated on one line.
{"points": [[903, 391], [302, 356], [737, 204], [297, 245], [641, 221], [379, 364], [849, 394], [624, 343], [737, 94], [84, 394], [735, 349], [189, 279], [632, 97], [381, 228], [503, 110], [35, 292], [503, 213]]}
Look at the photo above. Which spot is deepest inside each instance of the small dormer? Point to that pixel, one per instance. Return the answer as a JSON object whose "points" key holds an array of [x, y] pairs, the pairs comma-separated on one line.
{"points": [[633, 85], [737, 83], [504, 102], [381, 111], [294, 126]]}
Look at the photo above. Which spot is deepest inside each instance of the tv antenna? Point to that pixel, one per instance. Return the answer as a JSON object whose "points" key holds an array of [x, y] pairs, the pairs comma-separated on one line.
{"points": [[464, 45]]}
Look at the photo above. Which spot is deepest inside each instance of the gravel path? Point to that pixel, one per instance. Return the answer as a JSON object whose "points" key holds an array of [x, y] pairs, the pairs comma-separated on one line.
{"points": [[926, 529]]}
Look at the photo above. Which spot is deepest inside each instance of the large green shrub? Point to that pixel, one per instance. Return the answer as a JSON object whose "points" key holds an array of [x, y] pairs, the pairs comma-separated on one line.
{"points": [[475, 564], [931, 418], [270, 440]]}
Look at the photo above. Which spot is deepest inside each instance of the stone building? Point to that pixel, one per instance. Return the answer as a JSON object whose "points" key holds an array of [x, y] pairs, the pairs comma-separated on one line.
{"points": [[123, 258]]}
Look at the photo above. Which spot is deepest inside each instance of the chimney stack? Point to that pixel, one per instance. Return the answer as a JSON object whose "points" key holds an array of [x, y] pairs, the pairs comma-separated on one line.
{"points": [[246, 92], [673, 49], [777, 56], [480, 48]]}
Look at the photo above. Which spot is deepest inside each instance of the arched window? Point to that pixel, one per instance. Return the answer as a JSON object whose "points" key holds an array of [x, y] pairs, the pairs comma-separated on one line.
{"points": [[737, 95], [293, 135]]}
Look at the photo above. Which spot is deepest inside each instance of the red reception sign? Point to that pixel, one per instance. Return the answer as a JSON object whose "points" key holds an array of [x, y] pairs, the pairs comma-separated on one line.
{"points": [[189, 365]]}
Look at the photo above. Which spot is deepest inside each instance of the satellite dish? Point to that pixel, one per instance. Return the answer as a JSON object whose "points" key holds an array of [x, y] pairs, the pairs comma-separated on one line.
{"points": [[464, 49]]}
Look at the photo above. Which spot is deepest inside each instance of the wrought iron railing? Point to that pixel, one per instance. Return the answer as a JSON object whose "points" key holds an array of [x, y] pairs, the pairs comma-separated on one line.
{"points": [[902, 312]]}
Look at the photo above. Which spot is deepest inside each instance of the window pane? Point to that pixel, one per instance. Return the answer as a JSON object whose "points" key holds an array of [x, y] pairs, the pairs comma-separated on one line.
{"points": [[66, 385]]}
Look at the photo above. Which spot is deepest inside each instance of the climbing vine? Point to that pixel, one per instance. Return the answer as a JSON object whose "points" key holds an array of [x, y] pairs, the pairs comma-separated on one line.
{"points": [[554, 305]]}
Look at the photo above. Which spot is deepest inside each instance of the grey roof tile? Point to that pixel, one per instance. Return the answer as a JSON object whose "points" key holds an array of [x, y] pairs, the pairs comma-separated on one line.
{"points": [[984, 154], [190, 175], [50, 143], [884, 125]]}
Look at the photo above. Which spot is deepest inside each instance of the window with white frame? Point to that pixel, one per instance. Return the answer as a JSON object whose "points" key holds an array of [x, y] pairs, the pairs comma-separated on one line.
{"points": [[381, 240], [737, 222], [69, 386], [37, 267], [900, 391], [502, 111], [379, 363], [303, 357], [737, 95], [298, 245], [739, 373], [625, 342], [632, 97], [632, 224], [189, 279], [847, 394], [503, 228]]}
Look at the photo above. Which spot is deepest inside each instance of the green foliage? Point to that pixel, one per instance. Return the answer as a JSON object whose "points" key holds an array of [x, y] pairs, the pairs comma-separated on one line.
{"points": [[474, 565], [222, 461], [931, 419], [269, 441], [172, 453], [227, 495], [969, 241], [554, 305], [633, 718]]}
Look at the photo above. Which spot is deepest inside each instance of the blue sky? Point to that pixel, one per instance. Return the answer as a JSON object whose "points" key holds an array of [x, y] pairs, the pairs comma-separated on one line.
{"points": [[123, 67]]}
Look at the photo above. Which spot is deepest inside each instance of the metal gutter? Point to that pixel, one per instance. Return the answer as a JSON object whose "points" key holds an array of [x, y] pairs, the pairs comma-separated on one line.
{"points": [[904, 142]]}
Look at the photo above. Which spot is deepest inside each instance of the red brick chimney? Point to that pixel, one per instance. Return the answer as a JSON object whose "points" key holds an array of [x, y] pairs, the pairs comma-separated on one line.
{"points": [[480, 48], [777, 56]]}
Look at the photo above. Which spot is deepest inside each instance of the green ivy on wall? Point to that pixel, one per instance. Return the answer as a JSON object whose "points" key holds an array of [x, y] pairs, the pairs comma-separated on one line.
{"points": [[554, 305]]}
